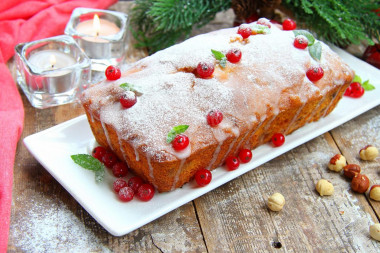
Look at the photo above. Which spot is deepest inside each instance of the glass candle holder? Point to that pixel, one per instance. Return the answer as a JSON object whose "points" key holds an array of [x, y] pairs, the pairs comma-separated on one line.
{"points": [[102, 35], [52, 71]]}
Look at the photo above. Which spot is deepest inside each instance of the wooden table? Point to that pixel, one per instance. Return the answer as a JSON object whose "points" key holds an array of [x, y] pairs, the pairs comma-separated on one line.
{"points": [[232, 218]]}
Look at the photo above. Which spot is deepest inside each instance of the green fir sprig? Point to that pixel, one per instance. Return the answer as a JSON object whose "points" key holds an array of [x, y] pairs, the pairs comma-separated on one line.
{"points": [[336, 21], [158, 24]]}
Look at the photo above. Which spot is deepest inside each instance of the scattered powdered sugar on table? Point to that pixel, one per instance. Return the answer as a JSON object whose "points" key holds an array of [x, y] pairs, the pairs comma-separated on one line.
{"points": [[48, 226]]}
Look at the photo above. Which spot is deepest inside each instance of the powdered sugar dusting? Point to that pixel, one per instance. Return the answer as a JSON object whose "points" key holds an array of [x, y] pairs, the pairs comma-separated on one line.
{"points": [[49, 226], [270, 74]]}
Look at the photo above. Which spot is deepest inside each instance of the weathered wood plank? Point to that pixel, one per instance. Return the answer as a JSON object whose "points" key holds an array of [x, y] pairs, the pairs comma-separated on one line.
{"points": [[308, 222], [353, 136], [232, 218]]}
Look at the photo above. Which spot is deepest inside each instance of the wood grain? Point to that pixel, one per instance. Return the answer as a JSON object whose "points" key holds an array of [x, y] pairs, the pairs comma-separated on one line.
{"points": [[232, 218]]}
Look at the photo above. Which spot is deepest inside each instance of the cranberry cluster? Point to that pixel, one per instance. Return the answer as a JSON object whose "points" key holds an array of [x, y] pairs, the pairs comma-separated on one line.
{"points": [[233, 162], [126, 190], [355, 90], [205, 69]]}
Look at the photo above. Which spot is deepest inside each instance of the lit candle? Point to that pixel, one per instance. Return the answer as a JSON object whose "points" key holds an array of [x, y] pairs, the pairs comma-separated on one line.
{"points": [[104, 39], [97, 27], [52, 71], [51, 59]]}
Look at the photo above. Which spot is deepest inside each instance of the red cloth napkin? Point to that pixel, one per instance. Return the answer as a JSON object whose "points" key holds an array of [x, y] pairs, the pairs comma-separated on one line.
{"points": [[23, 21]]}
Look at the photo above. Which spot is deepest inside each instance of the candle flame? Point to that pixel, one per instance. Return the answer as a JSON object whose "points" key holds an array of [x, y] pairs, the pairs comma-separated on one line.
{"points": [[52, 60], [96, 24]]}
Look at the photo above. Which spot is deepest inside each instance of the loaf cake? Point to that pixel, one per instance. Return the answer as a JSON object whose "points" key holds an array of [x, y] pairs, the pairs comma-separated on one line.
{"points": [[266, 92]]}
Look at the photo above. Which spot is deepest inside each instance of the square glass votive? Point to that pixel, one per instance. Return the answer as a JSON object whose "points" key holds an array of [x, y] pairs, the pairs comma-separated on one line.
{"points": [[52, 71], [102, 35]]}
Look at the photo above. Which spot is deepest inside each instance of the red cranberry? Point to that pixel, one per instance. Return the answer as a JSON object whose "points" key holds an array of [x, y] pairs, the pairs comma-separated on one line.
{"points": [[289, 24], [278, 139], [203, 177], [372, 54], [245, 155], [180, 142], [145, 192], [205, 69], [135, 183], [126, 194], [232, 163], [99, 152], [244, 31], [128, 99], [109, 159], [314, 73], [120, 169], [214, 117], [348, 91], [264, 21], [113, 73], [357, 90], [234, 55], [118, 184], [301, 42]]}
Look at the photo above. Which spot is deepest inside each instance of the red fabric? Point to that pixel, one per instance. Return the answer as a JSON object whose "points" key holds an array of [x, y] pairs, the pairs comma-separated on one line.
{"points": [[23, 21]]}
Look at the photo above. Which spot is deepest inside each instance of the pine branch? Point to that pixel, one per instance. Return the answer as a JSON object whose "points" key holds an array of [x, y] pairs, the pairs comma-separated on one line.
{"points": [[158, 24], [340, 22]]}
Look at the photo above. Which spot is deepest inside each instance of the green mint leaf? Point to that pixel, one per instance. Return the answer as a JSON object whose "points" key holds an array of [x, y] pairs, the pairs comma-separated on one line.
{"points": [[260, 29], [126, 86], [89, 162], [367, 86], [99, 175], [305, 33], [218, 55], [176, 130], [357, 79], [223, 62], [315, 51], [131, 87]]}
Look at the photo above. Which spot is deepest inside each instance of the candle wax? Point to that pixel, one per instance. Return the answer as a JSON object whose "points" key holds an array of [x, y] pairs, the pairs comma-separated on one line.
{"points": [[43, 60], [106, 28]]}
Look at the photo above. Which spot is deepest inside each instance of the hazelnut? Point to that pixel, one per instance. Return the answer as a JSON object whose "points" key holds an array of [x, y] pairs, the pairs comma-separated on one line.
{"points": [[369, 152], [324, 187], [374, 231], [374, 193], [337, 162], [351, 170], [276, 202], [360, 183]]}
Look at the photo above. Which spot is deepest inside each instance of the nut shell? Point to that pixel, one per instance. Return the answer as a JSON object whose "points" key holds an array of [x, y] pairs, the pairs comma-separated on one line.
{"points": [[368, 153], [337, 162], [276, 202], [374, 193], [374, 231], [360, 183], [324, 187], [351, 170]]}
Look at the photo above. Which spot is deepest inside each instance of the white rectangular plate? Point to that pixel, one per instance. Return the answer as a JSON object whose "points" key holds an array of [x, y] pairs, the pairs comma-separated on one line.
{"points": [[53, 148]]}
